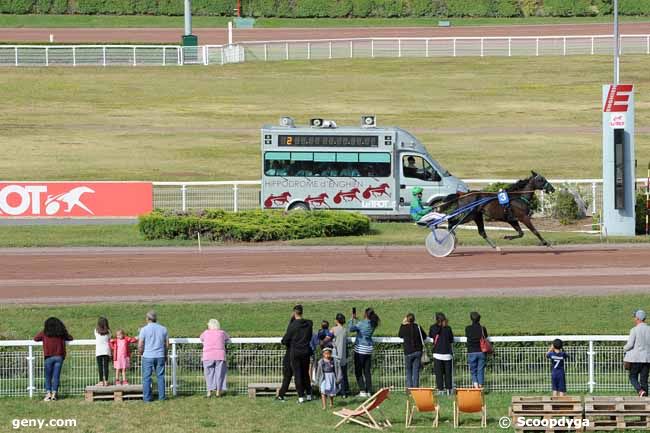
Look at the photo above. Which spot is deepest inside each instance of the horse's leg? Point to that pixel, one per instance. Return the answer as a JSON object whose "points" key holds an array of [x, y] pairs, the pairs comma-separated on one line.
{"points": [[515, 225], [528, 223], [478, 219]]}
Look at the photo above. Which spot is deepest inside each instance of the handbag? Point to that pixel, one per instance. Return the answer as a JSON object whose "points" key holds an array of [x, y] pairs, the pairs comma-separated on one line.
{"points": [[424, 358], [627, 365], [486, 346]]}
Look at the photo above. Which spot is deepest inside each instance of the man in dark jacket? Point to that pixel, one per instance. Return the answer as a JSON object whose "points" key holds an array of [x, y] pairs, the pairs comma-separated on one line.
{"points": [[297, 339]]}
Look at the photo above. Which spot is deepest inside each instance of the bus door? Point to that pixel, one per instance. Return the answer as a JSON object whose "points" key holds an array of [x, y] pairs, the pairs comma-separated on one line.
{"points": [[416, 170]]}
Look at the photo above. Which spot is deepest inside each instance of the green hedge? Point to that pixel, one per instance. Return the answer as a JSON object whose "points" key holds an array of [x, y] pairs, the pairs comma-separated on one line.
{"points": [[332, 8], [252, 226], [640, 213]]}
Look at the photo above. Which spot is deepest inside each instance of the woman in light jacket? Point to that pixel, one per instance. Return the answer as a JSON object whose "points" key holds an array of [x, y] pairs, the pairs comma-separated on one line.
{"points": [[637, 353], [363, 348]]}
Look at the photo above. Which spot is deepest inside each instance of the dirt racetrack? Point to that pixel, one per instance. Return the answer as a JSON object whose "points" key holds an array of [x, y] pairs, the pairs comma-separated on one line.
{"points": [[267, 273], [219, 35]]}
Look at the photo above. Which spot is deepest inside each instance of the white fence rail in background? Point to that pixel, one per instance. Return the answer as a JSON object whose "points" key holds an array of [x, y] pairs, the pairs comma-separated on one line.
{"points": [[245, 195], [518, 365], [159, 55]]}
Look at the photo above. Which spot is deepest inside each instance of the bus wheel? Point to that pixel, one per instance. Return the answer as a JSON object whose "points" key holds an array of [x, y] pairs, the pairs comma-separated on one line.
{"points": [[299, 206]]}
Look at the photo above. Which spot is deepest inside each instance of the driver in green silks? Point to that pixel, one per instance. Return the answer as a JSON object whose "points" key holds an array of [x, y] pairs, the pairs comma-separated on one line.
{"points": [[417, 209]]}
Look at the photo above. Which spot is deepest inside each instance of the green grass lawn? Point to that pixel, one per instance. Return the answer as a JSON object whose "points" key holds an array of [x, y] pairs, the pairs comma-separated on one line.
{"points": [[140, 21], [502, 315], [491, 117], [382, 233]]}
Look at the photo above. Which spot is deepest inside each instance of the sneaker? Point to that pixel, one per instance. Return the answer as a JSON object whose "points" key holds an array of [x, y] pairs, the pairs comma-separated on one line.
{"points": [[280, 399], [125, 382], [363, 394], [118, 382], [53, 398], [48, 397], [642, 393], [301, 400], [310, 397]]}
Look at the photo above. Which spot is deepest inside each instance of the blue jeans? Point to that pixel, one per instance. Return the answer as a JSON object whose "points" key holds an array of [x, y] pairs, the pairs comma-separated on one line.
{"points": [[53, 366], [149, 365], [412, 361], [476, 361]]}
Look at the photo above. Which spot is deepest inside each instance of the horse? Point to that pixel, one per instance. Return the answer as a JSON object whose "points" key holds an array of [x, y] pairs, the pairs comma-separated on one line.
{"points": [[520, 193]]}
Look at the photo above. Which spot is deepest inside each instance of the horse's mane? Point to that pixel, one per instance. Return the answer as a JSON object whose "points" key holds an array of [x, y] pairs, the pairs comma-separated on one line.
{"points": [[519, 184]]}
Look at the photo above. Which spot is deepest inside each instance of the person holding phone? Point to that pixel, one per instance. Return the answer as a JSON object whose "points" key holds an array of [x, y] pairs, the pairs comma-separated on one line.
{"points": [[363, 348], [297, 339]]}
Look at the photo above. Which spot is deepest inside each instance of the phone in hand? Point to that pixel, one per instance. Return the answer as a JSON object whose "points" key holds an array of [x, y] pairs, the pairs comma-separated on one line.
{"points": [[354, 311]]}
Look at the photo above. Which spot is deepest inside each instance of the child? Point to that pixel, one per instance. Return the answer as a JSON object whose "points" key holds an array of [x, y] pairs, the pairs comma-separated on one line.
{"points": [[102, 349], [328, 377], [323, 338], [121, 355], [557, 357]]}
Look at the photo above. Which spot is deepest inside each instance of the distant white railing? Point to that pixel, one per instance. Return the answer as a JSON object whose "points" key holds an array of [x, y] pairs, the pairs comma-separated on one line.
{"points": [[518, 365], [245, 195], [166, 55]]}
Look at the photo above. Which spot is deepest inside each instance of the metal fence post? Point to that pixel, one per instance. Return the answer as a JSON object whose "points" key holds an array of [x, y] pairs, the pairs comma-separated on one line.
{"points": [[399, 48], [482, 46], [330, 49], [30, 373], [179, 55], [351, 50], [537, 47], [648, 45], [266, 52], [308, 50], [174, 372], [592, 46], [164, 57], [47, 56], [593, 198], [235, 201], [454, 47], [564, 46], [372, 48], [286, 49], [426, 48], [74, 56], [223, 56], [16, 55], [541, 201], [592, 378], [509, 47], [134, 56], [184, 198], [206, 57], [104, 55]]}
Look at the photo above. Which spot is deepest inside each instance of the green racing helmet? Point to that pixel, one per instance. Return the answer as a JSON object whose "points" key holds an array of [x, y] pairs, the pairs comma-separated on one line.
{"points": [[417, 190]]}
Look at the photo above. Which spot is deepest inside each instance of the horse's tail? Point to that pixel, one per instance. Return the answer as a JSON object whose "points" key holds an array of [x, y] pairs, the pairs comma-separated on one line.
{"points": [[441, 204]]}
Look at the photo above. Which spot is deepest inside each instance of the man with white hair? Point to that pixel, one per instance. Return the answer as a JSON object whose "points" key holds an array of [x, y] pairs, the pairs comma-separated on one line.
{"points": [[637, 353], [152, 346]]}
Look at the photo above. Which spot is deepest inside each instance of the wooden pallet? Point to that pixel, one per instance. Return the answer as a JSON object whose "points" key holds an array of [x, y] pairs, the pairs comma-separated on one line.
{"points": [[543, 405], [597, 405], [619, 421], [255, 389], [113, 392]]}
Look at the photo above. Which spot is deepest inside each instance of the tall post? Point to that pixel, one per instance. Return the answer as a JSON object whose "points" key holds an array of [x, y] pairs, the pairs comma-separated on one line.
{"points": [[617, 52], [184, 197], [188, 17], [235, 198], [592, 375], [30, 366], [174, 371], [229, 32]]}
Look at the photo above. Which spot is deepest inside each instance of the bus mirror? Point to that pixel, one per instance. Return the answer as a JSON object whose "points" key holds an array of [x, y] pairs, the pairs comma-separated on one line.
{"points": [[368, 121], [287, 121]]}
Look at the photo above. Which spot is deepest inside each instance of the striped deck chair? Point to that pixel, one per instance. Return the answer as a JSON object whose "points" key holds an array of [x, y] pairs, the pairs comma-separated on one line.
{"points": [[362, 414]]}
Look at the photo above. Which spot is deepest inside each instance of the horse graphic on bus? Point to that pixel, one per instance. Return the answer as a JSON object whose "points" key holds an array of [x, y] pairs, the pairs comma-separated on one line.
{"points": [[347, 195], [318, 200], [376, 191], [277, 200]]}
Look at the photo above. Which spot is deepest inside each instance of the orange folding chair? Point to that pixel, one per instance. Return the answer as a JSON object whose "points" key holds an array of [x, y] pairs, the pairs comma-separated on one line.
{"points": [[362, 414], [423, 400], [470, 400]]}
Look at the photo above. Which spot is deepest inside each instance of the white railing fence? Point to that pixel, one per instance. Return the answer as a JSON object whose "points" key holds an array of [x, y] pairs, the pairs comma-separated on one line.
{"points": [[166, 55], [245, 195], [518, 365]]}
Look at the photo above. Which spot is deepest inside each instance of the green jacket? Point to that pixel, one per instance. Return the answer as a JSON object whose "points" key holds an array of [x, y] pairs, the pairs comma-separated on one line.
{"points": [[417, 209]]}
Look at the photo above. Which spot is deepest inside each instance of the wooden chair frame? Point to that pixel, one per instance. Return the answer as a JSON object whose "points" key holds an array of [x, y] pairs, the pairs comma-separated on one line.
{"points": [[411, 407], [362, 414], [483, 411]]}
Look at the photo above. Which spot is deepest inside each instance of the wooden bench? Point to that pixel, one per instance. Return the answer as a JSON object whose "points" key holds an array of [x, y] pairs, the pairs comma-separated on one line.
{"points": [[255, 389], [617, 413], [546, 408], [113, 392]]}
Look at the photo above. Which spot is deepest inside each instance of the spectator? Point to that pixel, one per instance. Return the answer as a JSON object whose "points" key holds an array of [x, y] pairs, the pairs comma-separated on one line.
{"points": [[341, 352], [121, 355], [328, 377], [363, 347], [413, 336], [152, 346], [54, 335], [475, 357], [557, 356], [297, 339], [287, 371], [214, 357], [443, 354], [102, 349], [637, 353]]}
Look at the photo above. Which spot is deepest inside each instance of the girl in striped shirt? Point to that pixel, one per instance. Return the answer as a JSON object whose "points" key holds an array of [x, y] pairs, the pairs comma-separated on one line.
{"points": [[363, 347]]}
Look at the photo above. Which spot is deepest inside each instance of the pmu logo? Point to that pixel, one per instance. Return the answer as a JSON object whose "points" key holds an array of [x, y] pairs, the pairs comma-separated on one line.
{"points": [[617, 98], [29, 200]]}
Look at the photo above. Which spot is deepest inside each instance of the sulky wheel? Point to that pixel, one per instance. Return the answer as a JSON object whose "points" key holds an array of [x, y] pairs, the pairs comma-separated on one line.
{"points": [[440, 243]]}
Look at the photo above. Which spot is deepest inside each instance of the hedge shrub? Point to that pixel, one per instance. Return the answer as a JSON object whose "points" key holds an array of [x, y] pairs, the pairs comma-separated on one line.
{"points": [[340, 8], [634, 7], [59, 7], [421, 8], [389, 8], [565, 208], [361, 8], [469, 8], [507, 8], [42, 6], [567, 8], [252, 226], [640, 210]]}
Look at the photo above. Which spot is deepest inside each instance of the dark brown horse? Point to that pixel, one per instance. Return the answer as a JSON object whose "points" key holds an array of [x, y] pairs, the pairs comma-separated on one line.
{"points": [[520, 193]]}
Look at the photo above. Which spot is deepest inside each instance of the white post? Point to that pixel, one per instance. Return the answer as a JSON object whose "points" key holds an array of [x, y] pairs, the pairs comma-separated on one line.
{"points": [[30, 373], [509, 47], [648, 45], [286, 50], [206, 56], [104, 55], [266, 52], [372, 48], [229, 32], [330, 49], [426, 48], [223, 56], [308, 50], [16, 55], [198, 237], [47, 56], [235, 201], [593, 198], [188, 17], [399, 48], [482, 48], [134, 56], [542, 197], [74, 56], [617, 52], [164, 57], [351, 50], [592, 379], [537, 46], [454, 47], [564, 46], [184, 198], [592, 45], [174, 372]]}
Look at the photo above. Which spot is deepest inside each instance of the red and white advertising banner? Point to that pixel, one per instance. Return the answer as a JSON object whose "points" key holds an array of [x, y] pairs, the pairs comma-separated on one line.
{"points": [[75, 199]]}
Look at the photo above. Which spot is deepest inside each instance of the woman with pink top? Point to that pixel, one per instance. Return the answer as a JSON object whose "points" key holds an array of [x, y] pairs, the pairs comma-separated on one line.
{"points": [[214, 357]]}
